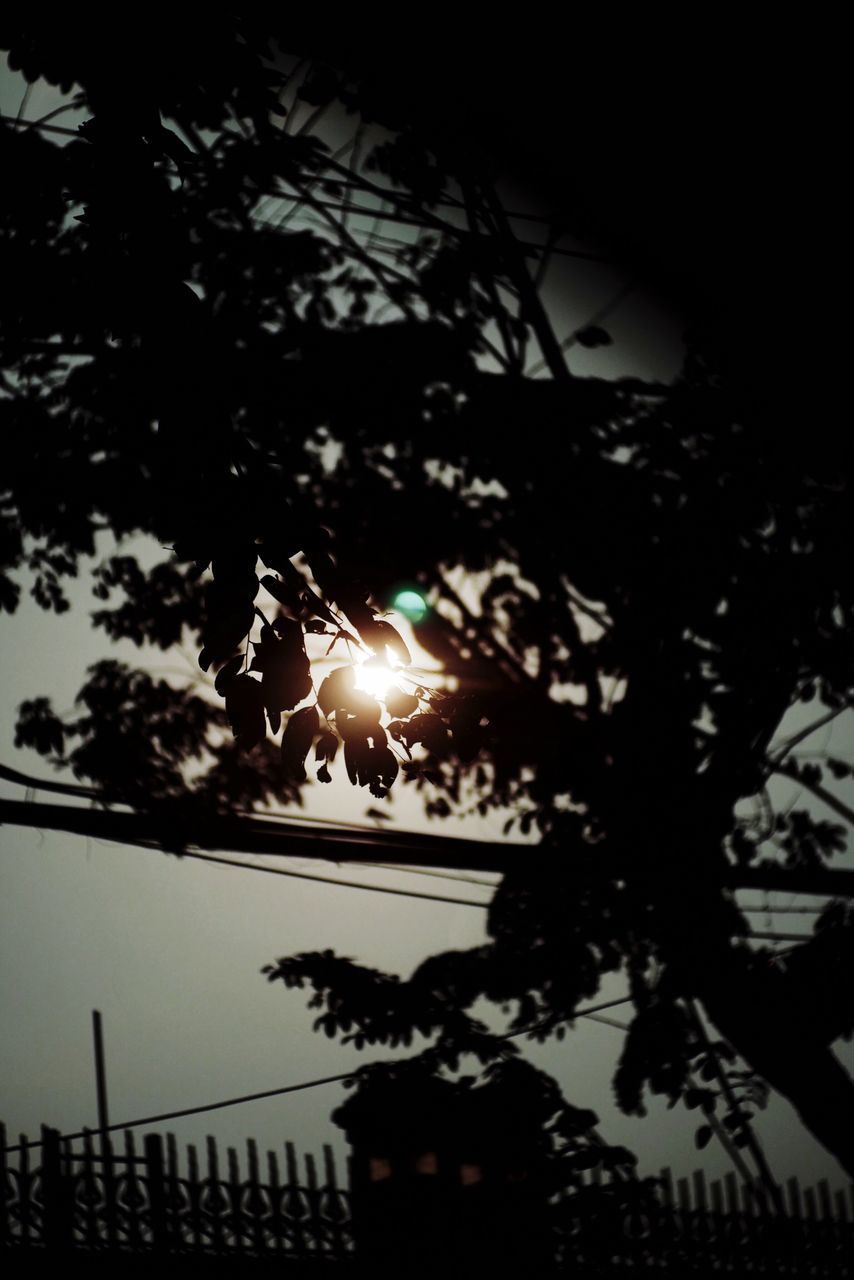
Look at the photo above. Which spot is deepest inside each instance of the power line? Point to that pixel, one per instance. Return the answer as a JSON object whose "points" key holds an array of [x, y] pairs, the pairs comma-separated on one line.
{"points": [[781, 937], [344, 884], [273, 836], [270, 1093], [439, 875], [753, 908], [403, 893], [192, 1111], [370, 888], [413, 893], [774, 911]]}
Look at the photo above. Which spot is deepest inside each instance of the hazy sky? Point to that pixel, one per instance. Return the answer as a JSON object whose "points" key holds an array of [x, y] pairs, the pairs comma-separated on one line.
{"points": [[170, 951]]}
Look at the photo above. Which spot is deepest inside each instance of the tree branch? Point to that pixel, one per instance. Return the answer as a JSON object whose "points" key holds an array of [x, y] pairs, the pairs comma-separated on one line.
{"points": [[752, 1141], [817, 790], [792, 742]]}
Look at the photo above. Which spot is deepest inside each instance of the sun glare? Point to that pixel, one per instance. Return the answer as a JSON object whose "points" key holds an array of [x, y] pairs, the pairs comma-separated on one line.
{"points": [[374, 678]]}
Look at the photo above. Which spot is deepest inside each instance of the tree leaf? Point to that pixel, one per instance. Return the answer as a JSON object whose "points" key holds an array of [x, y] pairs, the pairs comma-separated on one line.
{"points": [[377, 634], [314, 604], [400, 704], [593, 336], [337, 689], [703, 1136], [282, 592], [227, 673], [296, 742], [327, 746], [244, 705]]}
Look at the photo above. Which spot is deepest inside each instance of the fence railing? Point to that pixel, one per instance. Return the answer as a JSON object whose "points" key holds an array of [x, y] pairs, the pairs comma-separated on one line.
{"points": [[98, 1197], [105, 1198], [721, 1227]]}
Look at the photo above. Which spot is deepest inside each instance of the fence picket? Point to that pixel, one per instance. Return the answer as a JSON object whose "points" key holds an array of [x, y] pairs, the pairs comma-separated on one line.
{"points": [[91, 1192], [275, 1192], [234, 1194], [134, 1198], [194, 1196], [108, 1182], [24, 1189], [294, 1203], [809, 1201], [666, 1188], [156, 1183], [793, 1189], [5, 1233], [717, 1191], [315, 1231], [55, 1233], [213, 1198], [102, 1201]]}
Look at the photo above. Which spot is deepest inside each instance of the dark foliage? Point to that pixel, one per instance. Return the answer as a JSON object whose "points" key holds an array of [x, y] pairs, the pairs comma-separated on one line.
{"points": [[661, 569]]}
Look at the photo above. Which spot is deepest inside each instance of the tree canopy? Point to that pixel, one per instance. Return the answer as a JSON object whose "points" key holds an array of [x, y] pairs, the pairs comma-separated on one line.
{"points": [[308, 417]]}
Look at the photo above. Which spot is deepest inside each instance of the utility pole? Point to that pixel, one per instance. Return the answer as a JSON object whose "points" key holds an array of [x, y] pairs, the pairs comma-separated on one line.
{"points": [[100, 1074]]}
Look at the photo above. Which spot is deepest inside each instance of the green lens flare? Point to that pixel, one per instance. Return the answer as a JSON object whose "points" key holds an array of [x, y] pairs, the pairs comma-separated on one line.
{"points": [[411, 605]]}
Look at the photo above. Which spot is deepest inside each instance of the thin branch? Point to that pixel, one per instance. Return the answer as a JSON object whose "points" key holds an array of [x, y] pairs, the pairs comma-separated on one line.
{"points": [[355, 156], [793, 741], [484, 636], [532, 306], [596, 319], [602, 619], [752, 1141], [310, 121], [381, 274], [47, 784], [547, 250], [817, 790], [25, 97], [488, 281]]}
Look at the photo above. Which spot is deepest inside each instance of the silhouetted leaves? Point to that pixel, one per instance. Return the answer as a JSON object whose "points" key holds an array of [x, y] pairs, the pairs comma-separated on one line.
{"points": [[593, 336], [284, 664], [653, 573], [282, 592], [326, 746], [703, 1136], [400, 704], [429, 730], [227, 673], [296, 742], [379, 635], [40, 728], [244, 705], [314, 604], [228, 621], [337, 690]]}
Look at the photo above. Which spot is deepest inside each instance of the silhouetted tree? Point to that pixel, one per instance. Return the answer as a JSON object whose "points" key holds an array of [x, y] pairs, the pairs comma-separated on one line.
{"points": [[305, 422]]}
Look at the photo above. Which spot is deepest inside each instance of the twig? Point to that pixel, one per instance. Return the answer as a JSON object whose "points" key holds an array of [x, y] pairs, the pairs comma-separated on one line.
{"points": [[752, 1141], [818, 791]]}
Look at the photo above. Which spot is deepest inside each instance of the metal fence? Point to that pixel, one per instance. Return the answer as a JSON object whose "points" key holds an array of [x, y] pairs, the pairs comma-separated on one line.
{"points": [[717, 1228], [101, 1198], [98, 1200]]}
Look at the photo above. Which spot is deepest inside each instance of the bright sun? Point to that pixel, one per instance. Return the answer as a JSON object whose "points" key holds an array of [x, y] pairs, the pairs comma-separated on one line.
{"points": [[374, 678]]}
